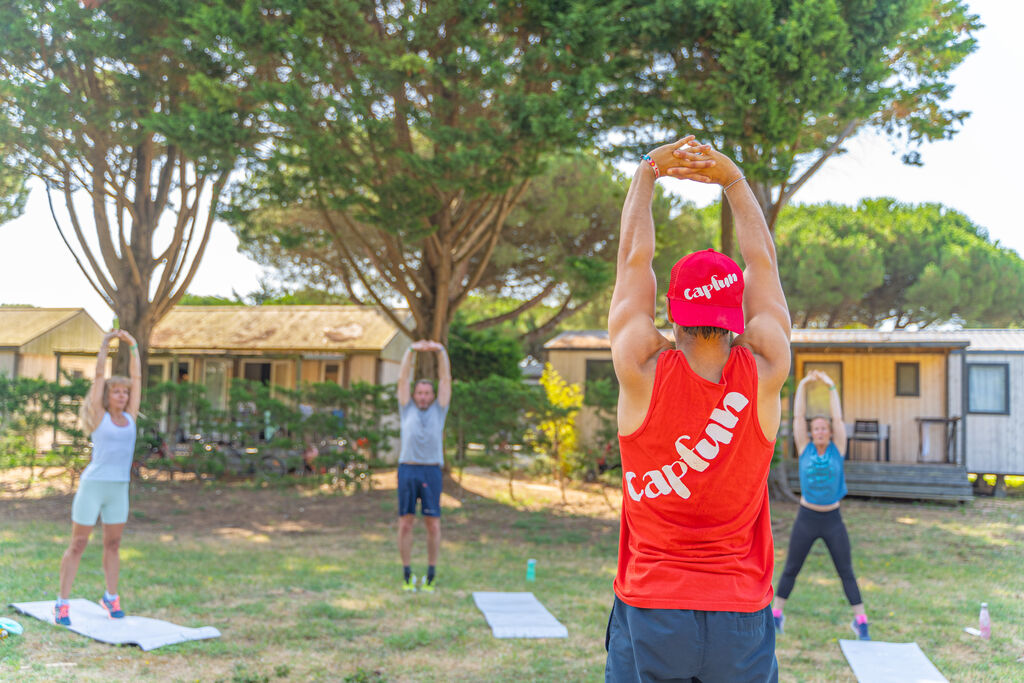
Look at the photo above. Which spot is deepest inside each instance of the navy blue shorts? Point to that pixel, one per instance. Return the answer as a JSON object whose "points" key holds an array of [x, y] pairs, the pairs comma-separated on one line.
{"points": [[421, 482], [687, 645]]}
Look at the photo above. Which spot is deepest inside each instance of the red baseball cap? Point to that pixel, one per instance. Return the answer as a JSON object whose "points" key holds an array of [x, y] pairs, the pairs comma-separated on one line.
{"points": [[706, 289]]}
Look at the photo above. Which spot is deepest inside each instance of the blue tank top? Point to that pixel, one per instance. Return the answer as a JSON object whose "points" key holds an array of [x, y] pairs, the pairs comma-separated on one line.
{"points": [[822, 481], [113, 449]]}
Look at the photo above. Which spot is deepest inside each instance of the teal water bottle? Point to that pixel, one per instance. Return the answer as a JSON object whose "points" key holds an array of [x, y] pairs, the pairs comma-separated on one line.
{"points": [[531, 570]]}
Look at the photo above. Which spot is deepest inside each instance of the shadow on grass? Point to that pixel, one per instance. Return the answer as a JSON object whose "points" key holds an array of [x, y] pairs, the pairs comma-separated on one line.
{"points": [[242, 510]]}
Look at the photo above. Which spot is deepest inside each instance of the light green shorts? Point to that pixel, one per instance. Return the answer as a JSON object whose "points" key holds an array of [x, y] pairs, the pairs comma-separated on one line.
{"points": [[93, 499]]}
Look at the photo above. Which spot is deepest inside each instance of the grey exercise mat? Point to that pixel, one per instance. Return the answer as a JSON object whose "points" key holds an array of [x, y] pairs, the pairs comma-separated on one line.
{"points": [[877, 662], [518, 615], [90, 619]]}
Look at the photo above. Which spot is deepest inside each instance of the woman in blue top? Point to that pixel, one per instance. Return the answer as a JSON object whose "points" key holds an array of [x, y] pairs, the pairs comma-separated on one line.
{"points": [[108, 415], [822, 486]]}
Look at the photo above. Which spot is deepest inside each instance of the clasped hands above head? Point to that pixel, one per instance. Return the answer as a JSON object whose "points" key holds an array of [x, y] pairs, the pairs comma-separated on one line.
{"points": [[689, 159], [426, 345], [818, 376]]}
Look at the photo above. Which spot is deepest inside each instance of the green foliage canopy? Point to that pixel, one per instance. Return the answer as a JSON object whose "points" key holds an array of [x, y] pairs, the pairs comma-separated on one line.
{"points": [[13, 188], [478, 354], [494, 411], [407, 133], [125, 104], [779, 85], [887, 261]]}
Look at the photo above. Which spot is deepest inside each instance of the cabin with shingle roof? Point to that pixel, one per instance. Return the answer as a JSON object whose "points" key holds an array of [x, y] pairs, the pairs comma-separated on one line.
{"points": [[283, 346], [44, 342]]}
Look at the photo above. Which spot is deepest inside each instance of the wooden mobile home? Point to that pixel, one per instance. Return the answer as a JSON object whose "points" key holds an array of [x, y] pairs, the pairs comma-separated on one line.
{"points": [[44, 342], [899, 381], [986, 381], [283, 346]]}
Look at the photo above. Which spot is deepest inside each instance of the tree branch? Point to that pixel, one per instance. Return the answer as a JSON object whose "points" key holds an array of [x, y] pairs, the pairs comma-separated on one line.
{"points": [[517, 311], [787, 194], [183, 283], [104, 293], [564, 311], [417, 314]]}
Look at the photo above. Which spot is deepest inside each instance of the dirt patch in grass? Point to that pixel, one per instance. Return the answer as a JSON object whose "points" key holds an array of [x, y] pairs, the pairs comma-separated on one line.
{"points": [[294, 508]]}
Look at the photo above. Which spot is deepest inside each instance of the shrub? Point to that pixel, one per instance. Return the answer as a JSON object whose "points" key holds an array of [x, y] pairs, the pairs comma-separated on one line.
{"points": [[556, 431]]}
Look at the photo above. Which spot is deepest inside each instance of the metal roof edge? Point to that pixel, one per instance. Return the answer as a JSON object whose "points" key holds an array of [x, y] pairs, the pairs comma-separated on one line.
{"points": [[882, 345]]}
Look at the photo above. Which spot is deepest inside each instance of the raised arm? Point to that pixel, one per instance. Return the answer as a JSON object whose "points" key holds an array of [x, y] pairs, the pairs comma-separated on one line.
{"points": [[444, 376], [766, 316], [635, 340], [836, 409], [135, 373], [800, 436], [404, 392], [94, 399]]}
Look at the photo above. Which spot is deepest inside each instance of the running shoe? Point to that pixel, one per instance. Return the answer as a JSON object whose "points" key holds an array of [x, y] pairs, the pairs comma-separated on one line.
{"points": [[113, 607], [780, 621], [62, 615], [860, 629], [427, 586], [410, 585]]}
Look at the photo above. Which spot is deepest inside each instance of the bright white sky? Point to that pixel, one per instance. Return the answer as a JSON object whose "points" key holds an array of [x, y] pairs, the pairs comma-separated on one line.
{"points": [[973, 173]]}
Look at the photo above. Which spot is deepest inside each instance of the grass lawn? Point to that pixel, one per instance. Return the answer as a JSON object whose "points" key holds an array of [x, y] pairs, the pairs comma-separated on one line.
{"points": [[304, 585]]}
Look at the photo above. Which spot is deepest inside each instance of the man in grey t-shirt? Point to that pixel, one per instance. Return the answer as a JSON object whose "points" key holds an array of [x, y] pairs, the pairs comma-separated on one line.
{"points": [[421, 458]]}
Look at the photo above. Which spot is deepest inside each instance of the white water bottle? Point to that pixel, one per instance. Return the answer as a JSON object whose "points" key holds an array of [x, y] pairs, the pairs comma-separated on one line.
{"points": [[985, 622]]}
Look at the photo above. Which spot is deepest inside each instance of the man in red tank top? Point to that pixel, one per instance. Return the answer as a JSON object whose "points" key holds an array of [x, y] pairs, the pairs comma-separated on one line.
{"points": [[697, 422]]}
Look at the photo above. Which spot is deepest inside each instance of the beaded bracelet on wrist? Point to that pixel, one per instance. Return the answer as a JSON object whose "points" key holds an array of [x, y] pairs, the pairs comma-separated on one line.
{"points": [[648, 159]]}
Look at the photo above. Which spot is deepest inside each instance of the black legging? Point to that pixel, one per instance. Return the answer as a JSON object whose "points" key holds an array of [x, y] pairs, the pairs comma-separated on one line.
{"points": [[808, 527]]}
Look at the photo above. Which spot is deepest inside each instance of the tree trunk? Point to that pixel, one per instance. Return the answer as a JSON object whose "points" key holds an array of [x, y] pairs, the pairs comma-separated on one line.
{"points": [[728, 238], [770, 209], [511, 468], [778, 479], [133, 316]]}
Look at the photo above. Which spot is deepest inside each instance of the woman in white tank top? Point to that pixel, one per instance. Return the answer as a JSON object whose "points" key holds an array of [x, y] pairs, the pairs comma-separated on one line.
{"points": [[108, 415]]}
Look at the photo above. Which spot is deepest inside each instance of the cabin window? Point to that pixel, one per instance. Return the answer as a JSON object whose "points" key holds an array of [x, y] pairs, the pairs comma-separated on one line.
{"points": [[601, 370], [154, 374], [988, 388], [908, 379], [257, 372], [215, 379], [184, 371], [331, 373]]}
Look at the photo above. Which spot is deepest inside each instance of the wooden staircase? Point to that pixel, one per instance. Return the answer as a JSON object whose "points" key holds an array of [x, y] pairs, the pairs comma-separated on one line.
{"points": [[890, 480]]}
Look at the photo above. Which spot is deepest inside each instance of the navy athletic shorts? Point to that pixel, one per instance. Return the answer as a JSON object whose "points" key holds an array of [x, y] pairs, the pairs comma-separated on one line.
{"points": [[689, 645], [421, 482]]}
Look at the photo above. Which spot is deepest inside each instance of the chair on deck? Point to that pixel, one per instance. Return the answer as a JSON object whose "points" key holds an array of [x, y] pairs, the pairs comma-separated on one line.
{"points": [[872, 432]]}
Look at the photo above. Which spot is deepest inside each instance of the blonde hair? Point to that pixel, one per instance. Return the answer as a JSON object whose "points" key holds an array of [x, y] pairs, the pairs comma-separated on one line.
{"points": [[90, 422], [826, 418]]}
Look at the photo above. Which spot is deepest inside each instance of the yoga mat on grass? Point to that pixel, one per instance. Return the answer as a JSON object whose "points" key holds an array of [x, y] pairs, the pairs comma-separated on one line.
{"points": [[873, 661], [518, 615], [90, 619]]}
